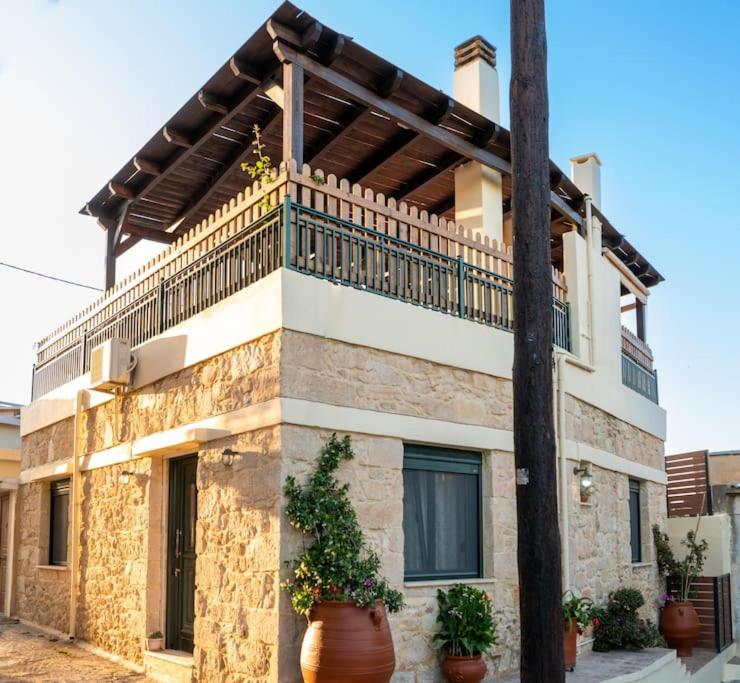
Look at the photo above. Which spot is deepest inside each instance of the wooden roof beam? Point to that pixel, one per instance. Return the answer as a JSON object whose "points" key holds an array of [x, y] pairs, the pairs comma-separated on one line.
{"points": [[151, 234], [145, 166], [386, 88], [430, 174], [305, 40], [212, 102], [176, 137], [400, 143], [396, 112]]}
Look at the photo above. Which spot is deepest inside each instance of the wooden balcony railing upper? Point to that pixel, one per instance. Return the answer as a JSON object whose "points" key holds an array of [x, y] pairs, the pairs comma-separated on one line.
{"points": [[637, 349], [330, 229]]}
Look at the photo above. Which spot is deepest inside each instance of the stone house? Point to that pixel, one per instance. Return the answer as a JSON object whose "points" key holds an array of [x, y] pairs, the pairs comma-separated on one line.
{"points": [[10, 467], [364, 289]]}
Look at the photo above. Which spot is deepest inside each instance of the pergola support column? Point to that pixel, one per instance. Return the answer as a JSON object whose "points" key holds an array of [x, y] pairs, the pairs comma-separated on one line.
{"points": [[293, 112]]}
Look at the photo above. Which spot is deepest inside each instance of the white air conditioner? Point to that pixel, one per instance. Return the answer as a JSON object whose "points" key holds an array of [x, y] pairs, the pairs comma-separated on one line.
{"points": [[111, 364]]}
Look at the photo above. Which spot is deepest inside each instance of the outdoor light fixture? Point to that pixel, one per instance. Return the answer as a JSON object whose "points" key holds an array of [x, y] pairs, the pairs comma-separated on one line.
{"points": [[227, 457], [587, 481], [125, 477]]}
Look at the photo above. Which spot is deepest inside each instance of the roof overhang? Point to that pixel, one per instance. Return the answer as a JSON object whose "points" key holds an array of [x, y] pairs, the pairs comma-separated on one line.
{"points": [[365, 119]]}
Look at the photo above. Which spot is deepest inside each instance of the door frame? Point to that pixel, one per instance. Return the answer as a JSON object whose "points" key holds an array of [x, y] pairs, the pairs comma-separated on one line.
{"points": [[168, 545]]}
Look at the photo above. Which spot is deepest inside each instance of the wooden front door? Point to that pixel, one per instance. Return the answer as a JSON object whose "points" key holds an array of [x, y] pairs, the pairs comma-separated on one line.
{"points": [[183, 513], [4, 533]]}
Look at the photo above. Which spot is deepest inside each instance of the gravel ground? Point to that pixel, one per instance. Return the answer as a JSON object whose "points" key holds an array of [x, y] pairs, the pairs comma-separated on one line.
{"points": [[27, 654]]}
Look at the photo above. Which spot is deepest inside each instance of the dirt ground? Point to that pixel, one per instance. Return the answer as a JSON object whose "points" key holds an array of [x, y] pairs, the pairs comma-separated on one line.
{"points": [[30, 655]]}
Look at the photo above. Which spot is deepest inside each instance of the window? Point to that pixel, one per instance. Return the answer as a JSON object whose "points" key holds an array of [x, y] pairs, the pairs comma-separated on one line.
{"points": [[635, 521], [58, 516], [441, 513]]}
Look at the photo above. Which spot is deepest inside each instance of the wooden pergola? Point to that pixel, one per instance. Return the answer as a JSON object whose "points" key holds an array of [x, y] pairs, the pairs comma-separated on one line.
{"points": [[318, 97]]}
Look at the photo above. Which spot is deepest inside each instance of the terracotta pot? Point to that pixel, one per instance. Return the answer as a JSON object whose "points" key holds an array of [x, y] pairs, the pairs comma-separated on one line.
{"points": [[154, 644], [679, 625], [464, 669], [347, 644], [570, 638]]}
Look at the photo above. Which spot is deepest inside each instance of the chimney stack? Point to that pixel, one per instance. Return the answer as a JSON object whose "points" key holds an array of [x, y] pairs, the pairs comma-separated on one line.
{"points": [[585, 172], [478, 191], [476, 80]]}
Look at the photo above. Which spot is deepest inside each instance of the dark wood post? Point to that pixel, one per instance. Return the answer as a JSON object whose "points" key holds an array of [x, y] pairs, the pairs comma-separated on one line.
{"points": [[110, 256], [534, 435], [641, 320], [293, 112]]}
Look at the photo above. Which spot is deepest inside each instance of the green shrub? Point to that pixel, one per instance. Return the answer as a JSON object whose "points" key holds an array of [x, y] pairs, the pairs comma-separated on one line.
{"points": [[338, 564], [467, 626], [617, 626]]}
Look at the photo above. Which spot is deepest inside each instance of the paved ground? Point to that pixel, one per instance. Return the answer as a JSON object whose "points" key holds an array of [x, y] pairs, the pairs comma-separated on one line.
{"points": [[30, 655]]}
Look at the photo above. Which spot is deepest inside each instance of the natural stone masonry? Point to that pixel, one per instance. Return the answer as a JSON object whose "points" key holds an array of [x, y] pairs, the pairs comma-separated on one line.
{"points": [[42, 593], [238, 560], [114, 541], [328, 371], [245, 629]]}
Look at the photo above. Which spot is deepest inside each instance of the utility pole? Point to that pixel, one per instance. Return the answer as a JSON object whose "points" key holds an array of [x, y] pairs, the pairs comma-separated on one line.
{"points": [[538, 535]]}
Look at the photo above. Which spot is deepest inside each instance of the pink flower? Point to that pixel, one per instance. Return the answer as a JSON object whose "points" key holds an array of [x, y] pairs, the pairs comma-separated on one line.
{"points": [[368, 583]]}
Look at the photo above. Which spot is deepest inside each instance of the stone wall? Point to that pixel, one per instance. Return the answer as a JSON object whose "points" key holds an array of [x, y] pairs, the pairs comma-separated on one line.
{"points": [[115, 572], [237, 566], [587, 424], [318, 369], [42, 592]]}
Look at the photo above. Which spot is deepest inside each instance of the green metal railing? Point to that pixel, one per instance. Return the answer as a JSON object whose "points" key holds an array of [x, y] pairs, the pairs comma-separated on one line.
{"points": [[640, 379], [313, 243]]}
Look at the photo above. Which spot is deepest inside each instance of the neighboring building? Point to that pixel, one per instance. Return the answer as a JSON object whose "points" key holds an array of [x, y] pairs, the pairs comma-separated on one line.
{"points": [[10, 468], [342, 300]]}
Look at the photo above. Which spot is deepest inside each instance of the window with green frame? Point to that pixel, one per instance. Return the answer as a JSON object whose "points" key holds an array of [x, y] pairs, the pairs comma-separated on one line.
{"points": [[441, 513]]}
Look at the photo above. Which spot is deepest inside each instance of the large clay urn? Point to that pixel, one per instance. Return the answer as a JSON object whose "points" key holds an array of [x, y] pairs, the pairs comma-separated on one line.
{"points": [[464, 669], [679, 625], [570, 639], [347, 644]]}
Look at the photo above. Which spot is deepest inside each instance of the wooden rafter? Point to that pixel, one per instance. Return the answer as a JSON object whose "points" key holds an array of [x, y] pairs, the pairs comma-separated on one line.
{"points": [[449, 161]]}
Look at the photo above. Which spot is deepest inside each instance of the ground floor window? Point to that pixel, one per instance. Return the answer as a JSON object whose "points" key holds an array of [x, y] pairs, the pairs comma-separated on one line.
{"points": [[441, 513], [635, 521], [58, 520]]}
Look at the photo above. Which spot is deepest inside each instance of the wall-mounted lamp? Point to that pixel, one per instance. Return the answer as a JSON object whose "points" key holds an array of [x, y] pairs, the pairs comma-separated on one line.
{"points": [[227, 457], [125, 477], [587, 481]]}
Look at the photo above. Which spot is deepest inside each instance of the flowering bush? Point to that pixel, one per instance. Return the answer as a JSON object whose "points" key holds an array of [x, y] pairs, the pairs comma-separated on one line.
{"points": [[617, 625], [577, 608], [467, 626], [337, 565]]}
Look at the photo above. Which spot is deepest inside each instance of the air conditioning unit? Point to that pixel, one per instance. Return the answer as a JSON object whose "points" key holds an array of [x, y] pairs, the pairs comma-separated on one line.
{"points": [[111, 364]]}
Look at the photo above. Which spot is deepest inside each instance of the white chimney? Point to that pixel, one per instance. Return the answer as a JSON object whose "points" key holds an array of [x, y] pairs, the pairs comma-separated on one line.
{"points": [[585, 172], [478, 192]]}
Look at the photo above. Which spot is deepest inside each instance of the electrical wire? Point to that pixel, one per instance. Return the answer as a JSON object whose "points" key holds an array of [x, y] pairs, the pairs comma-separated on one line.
{"points": [[50, 277]]}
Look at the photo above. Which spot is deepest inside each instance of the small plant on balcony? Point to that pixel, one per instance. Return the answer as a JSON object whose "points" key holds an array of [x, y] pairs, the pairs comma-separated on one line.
{"points": [[262, 169]]}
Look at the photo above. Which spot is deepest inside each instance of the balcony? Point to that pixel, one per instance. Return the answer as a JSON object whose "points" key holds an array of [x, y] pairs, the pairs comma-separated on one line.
{"points": [[313, 225], [637, 366]]}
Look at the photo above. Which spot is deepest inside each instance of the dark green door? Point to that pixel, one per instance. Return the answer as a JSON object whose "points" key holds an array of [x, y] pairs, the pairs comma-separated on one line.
{"points": [[183, 512]]}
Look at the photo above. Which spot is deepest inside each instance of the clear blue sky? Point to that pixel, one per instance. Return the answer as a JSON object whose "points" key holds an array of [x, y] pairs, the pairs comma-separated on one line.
{"points": [[652, 87]]}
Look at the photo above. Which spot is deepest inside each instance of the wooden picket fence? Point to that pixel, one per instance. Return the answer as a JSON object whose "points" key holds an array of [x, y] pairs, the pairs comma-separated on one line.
{"points": [[134, 308]]}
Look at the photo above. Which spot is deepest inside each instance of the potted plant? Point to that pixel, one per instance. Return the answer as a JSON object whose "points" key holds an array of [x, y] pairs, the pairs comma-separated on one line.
{"points": [[576, 616], [155, 641], [467, 631], [679, 622], [335, 581]]}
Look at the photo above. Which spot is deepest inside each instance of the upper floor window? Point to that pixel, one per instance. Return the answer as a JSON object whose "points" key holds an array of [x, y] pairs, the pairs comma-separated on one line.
{"points": [[441, 513], [58, 520], [635, 521]]}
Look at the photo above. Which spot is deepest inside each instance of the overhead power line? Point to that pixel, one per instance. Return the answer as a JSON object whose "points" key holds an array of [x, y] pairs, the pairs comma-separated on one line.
{"points": [[50, 277]]}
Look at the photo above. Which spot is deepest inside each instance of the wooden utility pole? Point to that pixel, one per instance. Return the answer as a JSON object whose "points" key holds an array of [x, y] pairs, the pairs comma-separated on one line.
{"points": [[534, 438]]}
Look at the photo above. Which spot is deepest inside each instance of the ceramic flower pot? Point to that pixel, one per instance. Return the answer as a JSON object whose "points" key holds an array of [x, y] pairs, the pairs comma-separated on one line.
{"points": [[154, 644], [679, 625], [347, 644], [464, 669], [570, 639]]}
